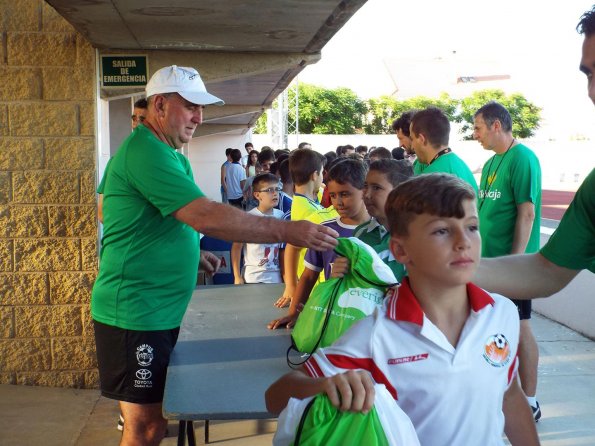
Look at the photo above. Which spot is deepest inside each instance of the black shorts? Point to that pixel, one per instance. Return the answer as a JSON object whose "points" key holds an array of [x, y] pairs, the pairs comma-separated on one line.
{"points": [[524, 307], [133, 364]]}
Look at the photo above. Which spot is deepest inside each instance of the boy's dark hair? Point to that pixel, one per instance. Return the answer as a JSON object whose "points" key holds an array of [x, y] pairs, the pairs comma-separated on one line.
{"points": [[262, 179], [284, 172], [279, 153], [398, 153], [282, 156], [235, 155], [494, 111], [266, 155], [433, 124], [395, 171], [381, 153], [303, 144], [339, 150], [347, 148], [330, 156], [303, 163], [228, 151], [248, 144], [141, 103], [403, 122], [274, 168], [361, 149], [586, 25], [437, 194], [348, 171]]}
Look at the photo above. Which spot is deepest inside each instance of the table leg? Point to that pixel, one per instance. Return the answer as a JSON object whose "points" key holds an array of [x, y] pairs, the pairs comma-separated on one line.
{"points": [[182, 433], [206, 431], [190, 433]]}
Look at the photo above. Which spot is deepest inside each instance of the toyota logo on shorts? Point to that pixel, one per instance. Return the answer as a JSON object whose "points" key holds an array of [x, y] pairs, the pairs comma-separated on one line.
{"points": [[143, 374]]}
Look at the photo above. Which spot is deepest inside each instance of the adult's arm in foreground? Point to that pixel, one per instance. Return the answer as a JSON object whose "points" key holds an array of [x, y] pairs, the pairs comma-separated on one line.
{"points": [[228, 223], [523, 276]]}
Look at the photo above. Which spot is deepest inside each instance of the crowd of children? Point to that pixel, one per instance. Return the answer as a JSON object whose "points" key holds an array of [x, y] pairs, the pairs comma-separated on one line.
{"points": [[445, 349]]}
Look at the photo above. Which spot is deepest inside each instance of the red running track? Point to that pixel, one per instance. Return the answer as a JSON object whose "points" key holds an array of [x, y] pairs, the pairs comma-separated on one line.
{"points": [[554, 203]]}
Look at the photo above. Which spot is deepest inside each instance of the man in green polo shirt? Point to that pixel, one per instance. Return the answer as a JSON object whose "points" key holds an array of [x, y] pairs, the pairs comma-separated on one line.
{"points": [[153, 212], [509, 207], [572, 246], [430, 132]]}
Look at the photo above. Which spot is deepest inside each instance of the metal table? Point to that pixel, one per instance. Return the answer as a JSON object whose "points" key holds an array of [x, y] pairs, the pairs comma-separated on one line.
{"points": [[225, 357]]}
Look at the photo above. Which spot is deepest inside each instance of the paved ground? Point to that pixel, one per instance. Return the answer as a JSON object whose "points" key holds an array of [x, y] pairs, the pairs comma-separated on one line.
{"points": [[61, 417]]}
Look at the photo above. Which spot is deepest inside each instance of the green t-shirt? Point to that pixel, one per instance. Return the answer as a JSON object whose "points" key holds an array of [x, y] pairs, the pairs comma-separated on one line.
{"points": [[514, 178], [149, 260], [375, 235], [448, 163], [572, 245], [101, 186]]}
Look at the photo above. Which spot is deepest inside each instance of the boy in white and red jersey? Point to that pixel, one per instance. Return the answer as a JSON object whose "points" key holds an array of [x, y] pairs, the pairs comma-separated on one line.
{"points": [[445, 349]]}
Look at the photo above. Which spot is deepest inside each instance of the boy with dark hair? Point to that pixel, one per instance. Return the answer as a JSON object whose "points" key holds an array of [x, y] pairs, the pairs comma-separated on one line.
{"points": [[261, 261], [444, 348], [305, 167], [383, 177], [234, 175], [380, 153], [345, 183], [223, 167], [430, 132]]}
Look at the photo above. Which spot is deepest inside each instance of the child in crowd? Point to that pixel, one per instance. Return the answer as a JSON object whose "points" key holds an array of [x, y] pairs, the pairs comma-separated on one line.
{"points": [[266, 157], [286, 195], [345, 185], [384, 175], [234, 175], [445, 349], [305, 167], [261, 261], [252, 168]]}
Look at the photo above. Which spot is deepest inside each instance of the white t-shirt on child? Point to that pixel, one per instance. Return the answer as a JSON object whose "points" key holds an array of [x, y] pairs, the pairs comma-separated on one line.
{"points": [[261, 260]]}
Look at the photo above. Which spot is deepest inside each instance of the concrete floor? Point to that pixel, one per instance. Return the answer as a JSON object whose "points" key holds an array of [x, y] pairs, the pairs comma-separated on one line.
{"points": [[60, 417]]}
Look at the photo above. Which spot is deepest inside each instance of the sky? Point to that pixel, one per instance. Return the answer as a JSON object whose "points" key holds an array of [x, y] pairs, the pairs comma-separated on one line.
{"points": [[535, 42]]}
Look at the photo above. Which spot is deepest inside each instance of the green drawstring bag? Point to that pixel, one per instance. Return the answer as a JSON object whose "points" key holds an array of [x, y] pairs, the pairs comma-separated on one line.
{"points": [[322, 424], [336, 304], [315, 422]]}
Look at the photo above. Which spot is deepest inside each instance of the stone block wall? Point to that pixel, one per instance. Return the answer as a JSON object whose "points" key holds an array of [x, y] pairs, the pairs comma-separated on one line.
{"points": [[48, 222]]}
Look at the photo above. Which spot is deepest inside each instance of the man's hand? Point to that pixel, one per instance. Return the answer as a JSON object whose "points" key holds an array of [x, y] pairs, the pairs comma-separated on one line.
{"points": [[351, 391], [309, 235], [283, 301], [287, 321], [339, 267], [209, 263]]}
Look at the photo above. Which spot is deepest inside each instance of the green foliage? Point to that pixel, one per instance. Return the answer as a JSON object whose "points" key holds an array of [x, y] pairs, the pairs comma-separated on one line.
{"points": [[525, 115], [384, 110], [340, 112], [329, 111]]}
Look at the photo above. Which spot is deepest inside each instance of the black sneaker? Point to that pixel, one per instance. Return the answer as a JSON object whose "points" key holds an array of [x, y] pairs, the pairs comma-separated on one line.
{"points": [[536, 411], [120, 425]]}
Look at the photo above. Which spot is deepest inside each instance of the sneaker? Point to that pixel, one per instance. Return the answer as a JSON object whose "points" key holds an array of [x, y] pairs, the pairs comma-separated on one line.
{"points": [[536, 411], [120, 425]]}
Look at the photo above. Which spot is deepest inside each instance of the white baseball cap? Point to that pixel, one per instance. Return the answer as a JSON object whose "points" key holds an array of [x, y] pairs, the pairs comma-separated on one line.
{"points": [[182, 80]]}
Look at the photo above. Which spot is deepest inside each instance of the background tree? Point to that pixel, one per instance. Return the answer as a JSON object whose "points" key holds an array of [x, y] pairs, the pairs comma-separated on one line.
{"points": [[336, 111], [340, 112], [525, 115]]}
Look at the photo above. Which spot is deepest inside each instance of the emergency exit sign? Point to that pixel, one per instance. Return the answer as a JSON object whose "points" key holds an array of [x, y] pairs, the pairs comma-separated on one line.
{"points": [[123, 71]]}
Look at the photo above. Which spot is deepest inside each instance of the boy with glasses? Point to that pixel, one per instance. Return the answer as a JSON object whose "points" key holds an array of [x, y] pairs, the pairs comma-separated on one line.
{"points": [[261, 260]]}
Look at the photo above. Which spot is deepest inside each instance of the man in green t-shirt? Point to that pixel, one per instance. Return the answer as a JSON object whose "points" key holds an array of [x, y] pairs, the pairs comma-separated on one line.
{"points": [[572, 246], [430, 132], [509, 206], [153, 212]]}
